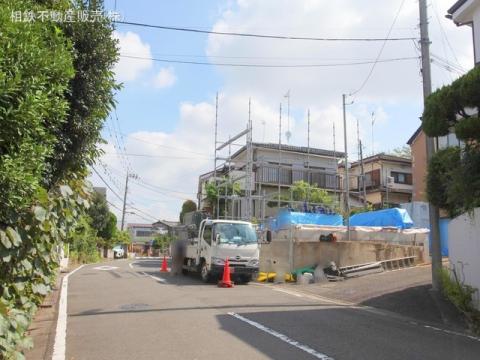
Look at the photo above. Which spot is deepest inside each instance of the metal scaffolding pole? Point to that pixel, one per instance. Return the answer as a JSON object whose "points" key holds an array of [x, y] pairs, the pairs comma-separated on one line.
{"points": [[279, 153]]}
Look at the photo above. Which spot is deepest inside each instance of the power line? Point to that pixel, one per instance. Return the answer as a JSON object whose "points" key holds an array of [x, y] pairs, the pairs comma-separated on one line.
{"points": [[143, 182], [159, 156], [252, 35], [108, 185], [115, 206], [270, 65], [143, 212], [381, 50], [166, 146]]}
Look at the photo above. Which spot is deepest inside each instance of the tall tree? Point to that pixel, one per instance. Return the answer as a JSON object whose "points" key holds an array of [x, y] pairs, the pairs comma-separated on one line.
{"points": [[32, 103], [90, 94], [187, 206]]}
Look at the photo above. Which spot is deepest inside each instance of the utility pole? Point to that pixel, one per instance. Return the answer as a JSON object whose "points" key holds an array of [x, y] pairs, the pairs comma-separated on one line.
{"points": [[129, 175], [427, 90], [347, 185]]}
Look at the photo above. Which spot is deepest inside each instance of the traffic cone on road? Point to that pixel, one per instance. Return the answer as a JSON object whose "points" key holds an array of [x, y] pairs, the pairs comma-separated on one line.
{"points": [[226, 281], [164, 265]]}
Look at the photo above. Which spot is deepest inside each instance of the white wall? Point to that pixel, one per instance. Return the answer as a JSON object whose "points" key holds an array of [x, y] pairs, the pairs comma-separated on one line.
{"points": [[464, 249], [476, 34], [387, 171]]}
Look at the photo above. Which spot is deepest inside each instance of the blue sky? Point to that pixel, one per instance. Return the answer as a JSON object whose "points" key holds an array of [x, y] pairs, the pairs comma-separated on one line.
{"points": [[166, 111]]}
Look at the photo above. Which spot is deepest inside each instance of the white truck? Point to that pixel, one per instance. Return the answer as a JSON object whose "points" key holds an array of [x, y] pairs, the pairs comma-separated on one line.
{"points": [[218, 240]]}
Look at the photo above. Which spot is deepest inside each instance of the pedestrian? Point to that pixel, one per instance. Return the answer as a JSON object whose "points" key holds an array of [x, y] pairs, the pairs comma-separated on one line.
{"points": [[179, 249]]}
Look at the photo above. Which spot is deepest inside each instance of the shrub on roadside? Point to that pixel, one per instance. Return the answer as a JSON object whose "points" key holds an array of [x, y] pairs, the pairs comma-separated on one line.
{"points": [[461, 296]]}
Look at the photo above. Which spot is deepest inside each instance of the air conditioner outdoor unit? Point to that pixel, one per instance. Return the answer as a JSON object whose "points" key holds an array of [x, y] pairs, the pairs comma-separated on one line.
{"points": [[390, 180]]}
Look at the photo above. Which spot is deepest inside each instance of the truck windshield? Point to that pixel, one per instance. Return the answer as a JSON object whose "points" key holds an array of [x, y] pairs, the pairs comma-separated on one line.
{"points": [[235, 234]]}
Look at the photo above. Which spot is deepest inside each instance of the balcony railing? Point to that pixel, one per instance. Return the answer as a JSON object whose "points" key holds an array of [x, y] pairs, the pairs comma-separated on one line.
{"points": [[272, 175]]}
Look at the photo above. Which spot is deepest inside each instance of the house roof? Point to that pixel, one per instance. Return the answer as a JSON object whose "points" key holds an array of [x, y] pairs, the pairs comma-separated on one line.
{"points": [[456, 6], [292, 148], [166, 223], [384, 157], [414, 136], [139, 225]]}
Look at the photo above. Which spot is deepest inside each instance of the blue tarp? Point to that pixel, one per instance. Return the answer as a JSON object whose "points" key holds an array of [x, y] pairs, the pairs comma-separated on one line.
{"points": [[443, 225], [286, 218], [388, 217]]}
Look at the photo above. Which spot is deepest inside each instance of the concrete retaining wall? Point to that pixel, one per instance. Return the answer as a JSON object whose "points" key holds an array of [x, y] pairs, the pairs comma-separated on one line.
{"points": [[464, 249], [300, 246]]}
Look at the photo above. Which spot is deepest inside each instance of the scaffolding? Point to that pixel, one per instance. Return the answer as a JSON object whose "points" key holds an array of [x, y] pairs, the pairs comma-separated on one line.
{"points": [[249, 205]]}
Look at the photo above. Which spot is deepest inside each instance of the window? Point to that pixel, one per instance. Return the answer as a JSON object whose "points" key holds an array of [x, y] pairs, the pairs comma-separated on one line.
{"points": [[207, 234], [238, 234], [143, 233], [401, 178]]}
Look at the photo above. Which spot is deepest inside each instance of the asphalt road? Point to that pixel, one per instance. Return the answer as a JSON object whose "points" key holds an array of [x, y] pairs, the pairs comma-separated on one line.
{"points": [[133, 311]]}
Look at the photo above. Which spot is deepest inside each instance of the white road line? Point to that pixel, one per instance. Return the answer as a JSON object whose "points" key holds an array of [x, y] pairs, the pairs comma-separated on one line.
{"points": [[163, 281], [59, 346], [282, 337], [130, 265], [313, 297]]}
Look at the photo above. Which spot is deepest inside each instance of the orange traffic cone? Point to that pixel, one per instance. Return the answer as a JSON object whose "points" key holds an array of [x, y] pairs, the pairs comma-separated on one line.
{"points": [[164, 265], [226, 281]]}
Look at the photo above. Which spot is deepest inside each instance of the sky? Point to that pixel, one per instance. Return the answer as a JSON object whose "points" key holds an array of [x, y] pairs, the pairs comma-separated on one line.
{"points": [[162, 130]]}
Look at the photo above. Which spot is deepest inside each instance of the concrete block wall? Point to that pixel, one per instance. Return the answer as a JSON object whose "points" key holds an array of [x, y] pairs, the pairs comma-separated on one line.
{"points": [[464, 249]]}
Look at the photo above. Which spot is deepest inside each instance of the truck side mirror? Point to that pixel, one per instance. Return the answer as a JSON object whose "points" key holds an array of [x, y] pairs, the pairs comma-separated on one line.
{"points": [[217, 238], [269, 236]]}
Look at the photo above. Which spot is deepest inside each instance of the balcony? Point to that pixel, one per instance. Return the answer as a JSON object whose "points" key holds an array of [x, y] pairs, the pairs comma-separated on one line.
{"points": [[269, 175]]}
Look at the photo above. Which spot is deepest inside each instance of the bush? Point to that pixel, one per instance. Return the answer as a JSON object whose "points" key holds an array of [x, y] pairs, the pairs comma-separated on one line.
{"points": [[32, 104], [461, 296]]}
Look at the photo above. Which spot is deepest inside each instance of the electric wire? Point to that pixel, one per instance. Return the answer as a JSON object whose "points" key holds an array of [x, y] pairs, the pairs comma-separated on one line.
{"points": [[107, 184], [159, 156], [380, 52], [247, 65], [253, 35]]}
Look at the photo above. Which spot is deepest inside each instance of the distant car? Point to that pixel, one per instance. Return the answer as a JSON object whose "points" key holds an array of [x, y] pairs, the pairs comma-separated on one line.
{"points": [[118, 252]]}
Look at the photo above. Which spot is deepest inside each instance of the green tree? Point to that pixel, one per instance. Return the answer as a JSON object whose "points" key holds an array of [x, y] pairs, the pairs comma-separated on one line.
{"points": [[32, 103], [108, 232], [162, 241], [403, 151], [303, 191], [56, 89], [98, 212], [215, 190], [83, 242], [90, 94], [453, 181], [122, 238], [187, 206]]}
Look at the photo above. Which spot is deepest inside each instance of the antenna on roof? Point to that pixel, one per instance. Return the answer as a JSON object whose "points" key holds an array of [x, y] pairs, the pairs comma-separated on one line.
{"points": [[288, 133]]}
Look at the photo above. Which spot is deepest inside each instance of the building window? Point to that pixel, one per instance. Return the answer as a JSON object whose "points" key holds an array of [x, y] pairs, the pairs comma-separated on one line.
{"points": [[143, 233], [401, 178]]}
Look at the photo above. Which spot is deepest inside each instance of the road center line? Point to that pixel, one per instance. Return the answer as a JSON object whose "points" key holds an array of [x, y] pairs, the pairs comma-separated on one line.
{"points": [[282, 337], [59, 346]]}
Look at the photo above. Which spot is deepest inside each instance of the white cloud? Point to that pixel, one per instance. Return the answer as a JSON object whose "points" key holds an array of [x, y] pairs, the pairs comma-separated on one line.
{"points": [[129, 69], [391, 82], [165, 78]]}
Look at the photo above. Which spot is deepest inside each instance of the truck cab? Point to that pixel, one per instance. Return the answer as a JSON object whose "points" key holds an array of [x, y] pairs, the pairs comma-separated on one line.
{"points": [[218, 240]]}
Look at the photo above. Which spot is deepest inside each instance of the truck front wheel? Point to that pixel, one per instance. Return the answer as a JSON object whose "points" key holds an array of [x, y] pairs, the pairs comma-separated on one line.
{"points": [[205, 273]]}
